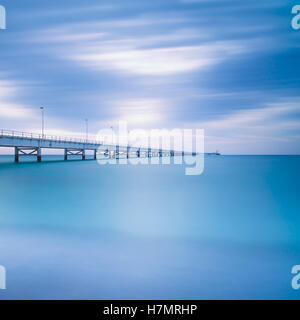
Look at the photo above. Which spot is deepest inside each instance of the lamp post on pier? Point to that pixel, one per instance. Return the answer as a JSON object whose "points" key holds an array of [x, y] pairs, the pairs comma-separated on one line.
{"points": [[86, 130], [43, 121]]}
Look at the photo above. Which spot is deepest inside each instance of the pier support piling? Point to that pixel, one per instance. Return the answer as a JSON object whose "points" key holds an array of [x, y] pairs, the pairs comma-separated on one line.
{"points": [[28, 151], [16, 154], [128, 152], [74, 152], [39, 155]]}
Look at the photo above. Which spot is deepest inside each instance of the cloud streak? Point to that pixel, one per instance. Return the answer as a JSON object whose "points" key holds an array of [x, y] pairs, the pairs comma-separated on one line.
{"points": [[162, 61], [9, 109]]}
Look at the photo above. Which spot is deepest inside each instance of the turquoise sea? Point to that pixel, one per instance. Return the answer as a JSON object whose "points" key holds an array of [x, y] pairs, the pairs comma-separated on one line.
{"points": [[79, 230]]}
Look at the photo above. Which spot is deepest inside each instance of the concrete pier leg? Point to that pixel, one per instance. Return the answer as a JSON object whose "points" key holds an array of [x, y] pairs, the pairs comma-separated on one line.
{"points": [[83, 154], [39, 155], [149, 152], [95, 154], [66, 155], [16, 154], [117, 152], [160, 153], [128, 151]]}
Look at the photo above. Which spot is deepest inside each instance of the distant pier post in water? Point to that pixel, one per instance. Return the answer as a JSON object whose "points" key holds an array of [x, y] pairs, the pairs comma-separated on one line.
{"points": [[16, 154], [128, 151], [39, 154]]}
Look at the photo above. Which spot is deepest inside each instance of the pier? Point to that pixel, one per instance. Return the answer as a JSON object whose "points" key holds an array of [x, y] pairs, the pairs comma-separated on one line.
{"points": [[31, 145]]}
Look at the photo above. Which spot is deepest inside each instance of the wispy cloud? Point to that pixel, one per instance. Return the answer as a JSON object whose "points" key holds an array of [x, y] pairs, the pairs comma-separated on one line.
{"points": [[275, 122], [257, 118], [9, 108], [148, 54], [162, 61], [140, 112], [253, 118]]}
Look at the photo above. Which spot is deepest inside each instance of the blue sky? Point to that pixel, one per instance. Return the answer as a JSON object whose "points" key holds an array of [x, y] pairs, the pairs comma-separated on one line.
{"points": [[229, 67]]}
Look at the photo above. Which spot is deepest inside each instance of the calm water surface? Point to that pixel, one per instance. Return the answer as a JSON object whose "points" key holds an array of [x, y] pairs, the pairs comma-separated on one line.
{"points": [[78, 230]]}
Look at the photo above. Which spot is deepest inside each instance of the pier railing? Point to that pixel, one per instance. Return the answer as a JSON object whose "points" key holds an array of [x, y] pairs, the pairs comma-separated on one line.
{"points": [[44, 137]]}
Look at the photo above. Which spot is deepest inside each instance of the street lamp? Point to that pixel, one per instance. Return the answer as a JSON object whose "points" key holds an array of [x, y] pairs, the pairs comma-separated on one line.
{"points": [[112, 134], [43, 124], [86, 129]]}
